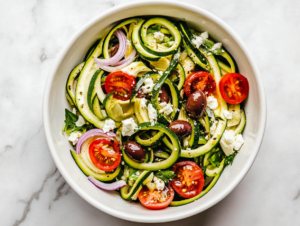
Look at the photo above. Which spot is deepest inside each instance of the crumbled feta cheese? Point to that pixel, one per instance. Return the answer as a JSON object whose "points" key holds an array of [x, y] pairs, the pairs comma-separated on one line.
{"points": [[159, 36], [204, 35], [80, 121], [160, 184], [177, 56], [216, 46], [238, 142], [143, 102], [206, 137], [213, 127], [228, 136], [74, 137], [152, 114], [147, 88], [228, 114], [128, 42], [210, 113], [212, 102], [160, 72], [129, 126], [74, 111], [229, 142], [197, 41], [186, 143], [109, 125], [165, 108]]}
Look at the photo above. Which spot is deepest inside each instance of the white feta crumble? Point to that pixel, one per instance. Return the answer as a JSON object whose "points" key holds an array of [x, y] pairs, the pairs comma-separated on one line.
{"points": [[228, 136], [109, 125], [213, 127], [147, 88], [238, 142], [160, 72], [165, 108], [80, 121], [204, 35], [186, 143], [216, 46], [143, 102], [206, 137], [160, 184], [152, 114], [128, 42], [129, 126], [228, 114], [212, 102], [159, 36], [197, 41], [210, 113], [74, 137], [74, 111]]}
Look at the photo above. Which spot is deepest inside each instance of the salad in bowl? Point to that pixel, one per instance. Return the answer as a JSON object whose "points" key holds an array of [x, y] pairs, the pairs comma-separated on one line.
{"points": [[156, 112]]}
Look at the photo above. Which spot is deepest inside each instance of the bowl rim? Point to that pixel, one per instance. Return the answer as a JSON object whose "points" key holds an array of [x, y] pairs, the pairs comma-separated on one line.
{"points": [[179, 215]]}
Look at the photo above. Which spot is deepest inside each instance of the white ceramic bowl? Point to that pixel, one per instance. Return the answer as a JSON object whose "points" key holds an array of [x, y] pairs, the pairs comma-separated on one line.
{"points": [[55, 103]]}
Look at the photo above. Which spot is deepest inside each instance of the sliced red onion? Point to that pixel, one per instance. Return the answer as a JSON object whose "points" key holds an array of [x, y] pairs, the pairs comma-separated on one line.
{"points": [[109, 187], [121, 64], [120, 53], [91, 133]]}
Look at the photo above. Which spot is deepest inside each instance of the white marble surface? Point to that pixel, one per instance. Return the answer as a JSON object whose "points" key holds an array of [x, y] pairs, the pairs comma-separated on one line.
{"points": [[32, 192]]}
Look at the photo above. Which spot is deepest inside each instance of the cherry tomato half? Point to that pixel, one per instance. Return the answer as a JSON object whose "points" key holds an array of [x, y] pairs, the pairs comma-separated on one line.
{"points": [[189, 180], [155, 199], [234, 88], [121, 84], [105, 153], [199, 80]]}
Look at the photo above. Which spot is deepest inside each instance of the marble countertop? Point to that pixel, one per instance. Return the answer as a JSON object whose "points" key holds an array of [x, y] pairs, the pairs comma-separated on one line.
{"points": [[32, 191]]}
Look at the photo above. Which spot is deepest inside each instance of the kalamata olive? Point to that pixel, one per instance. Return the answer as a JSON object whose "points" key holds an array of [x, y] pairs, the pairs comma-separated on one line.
{"points": [[134, 151], [140, 94], [196, 104], [164, 96], [114, 50], [181, 128]]}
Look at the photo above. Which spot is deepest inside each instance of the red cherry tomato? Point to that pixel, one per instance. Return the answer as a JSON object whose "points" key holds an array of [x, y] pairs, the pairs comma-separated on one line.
{"points": [[121, 84], [155, 199], [199, 80], [234, 88], [189, 180], [105, 153]]}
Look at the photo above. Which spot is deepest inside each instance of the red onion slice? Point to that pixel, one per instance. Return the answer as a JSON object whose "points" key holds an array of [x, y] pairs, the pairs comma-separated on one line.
{"points": [[91, 133], [109, 187], [120, 53], [121, 64]]}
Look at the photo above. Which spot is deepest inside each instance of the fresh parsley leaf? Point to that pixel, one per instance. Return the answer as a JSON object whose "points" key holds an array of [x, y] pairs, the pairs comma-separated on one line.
{"points": [[216, 158], [133, 174], [166, 175], [70, 123], [229, 159]]}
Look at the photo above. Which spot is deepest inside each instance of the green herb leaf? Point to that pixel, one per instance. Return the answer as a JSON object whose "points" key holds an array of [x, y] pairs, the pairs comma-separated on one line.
{"points": [[70, 123], [166, 175], [229, 159], [133, 174], [216, 158]]}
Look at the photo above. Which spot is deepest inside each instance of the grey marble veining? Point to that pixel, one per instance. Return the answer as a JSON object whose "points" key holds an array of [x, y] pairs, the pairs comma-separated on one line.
{"points": [[32, 192]]}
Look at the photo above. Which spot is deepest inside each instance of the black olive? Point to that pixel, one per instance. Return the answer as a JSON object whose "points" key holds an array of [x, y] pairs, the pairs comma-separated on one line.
{"points": [[196, 104], [134, 151], [164, 96], [181, 128]]}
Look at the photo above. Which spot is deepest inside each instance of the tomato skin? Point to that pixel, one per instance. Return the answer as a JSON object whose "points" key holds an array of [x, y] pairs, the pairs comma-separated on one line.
{"points": [[121, 84], [146, 200], [189, 180], [234, 88], [199, 80], [105, 153]]}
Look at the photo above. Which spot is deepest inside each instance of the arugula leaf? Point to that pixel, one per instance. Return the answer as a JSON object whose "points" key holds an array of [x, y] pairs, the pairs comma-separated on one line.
{"points": [[166, 175], [70, 123]]}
